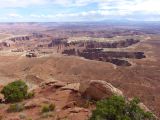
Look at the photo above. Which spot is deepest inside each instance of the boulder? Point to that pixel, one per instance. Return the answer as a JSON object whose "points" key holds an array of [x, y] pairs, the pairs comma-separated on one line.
{"points": [[31, 104], [98, 89]]}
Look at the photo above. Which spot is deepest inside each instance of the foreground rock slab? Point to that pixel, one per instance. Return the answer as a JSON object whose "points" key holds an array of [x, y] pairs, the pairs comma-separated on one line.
{"points": [[98, 89]]}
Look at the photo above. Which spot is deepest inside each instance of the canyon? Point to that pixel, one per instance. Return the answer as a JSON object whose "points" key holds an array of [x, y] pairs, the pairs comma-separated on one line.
{"points": [[126, 57]]}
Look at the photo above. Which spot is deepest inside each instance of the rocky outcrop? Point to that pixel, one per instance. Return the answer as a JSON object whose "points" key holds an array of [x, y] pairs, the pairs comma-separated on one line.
{"points": [[72, 86], [53, 83], [111, 54], [69, 52], [117, 44], [92, 44], [20, 38], [68, 104], [58, 41], [117, 62], [38, 35], [27, 37], [97, 90], [6, 43], [94, 50], [114, 57]]}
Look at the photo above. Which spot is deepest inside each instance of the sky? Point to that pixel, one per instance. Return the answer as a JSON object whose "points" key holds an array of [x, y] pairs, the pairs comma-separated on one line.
{"points": [[78, 10]]}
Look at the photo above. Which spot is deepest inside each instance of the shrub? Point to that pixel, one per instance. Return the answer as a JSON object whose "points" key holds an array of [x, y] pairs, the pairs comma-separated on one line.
{"points": [[30, 95], [51, 107], [45, 108], [17, 107], [15, 91], [48, 108], [116, 108]]}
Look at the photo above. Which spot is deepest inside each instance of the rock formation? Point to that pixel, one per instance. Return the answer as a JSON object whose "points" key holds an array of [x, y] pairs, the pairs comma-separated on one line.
{"points": [[114, 57], [20, 38], [94, 50], [6, 43], [58, 41], [97, 90], [117, 44]]}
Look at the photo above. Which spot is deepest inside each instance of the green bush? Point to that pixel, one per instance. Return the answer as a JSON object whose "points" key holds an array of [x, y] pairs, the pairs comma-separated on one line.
{"points": [[15, 91], [52, 107], [30, 95], [48, 108], [17, 107], [116, 108]]}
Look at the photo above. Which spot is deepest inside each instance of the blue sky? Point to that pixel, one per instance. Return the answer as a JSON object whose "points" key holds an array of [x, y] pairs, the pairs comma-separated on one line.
{"points": [[78, 10]]}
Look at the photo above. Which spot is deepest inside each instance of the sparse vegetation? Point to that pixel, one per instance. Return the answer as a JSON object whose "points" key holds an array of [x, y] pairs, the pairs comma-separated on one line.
{"points": [[48, 108], [22, 116], [16, 91], [47, 115], [88, 103], [17, 107], [29, 119], [30, 95], [116, 108]]}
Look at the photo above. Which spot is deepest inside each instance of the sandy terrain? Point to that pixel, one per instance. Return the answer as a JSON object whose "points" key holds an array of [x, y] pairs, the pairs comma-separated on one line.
{"points": [[142, 79]]}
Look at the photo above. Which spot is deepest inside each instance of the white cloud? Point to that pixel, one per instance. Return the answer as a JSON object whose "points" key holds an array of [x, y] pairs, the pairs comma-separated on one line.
{"points": [[14, 15], [119, 6], [20, 3], [148, 6], [64, 15], [68, 3], [103, 8], [73, 16], [125, 7]]}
